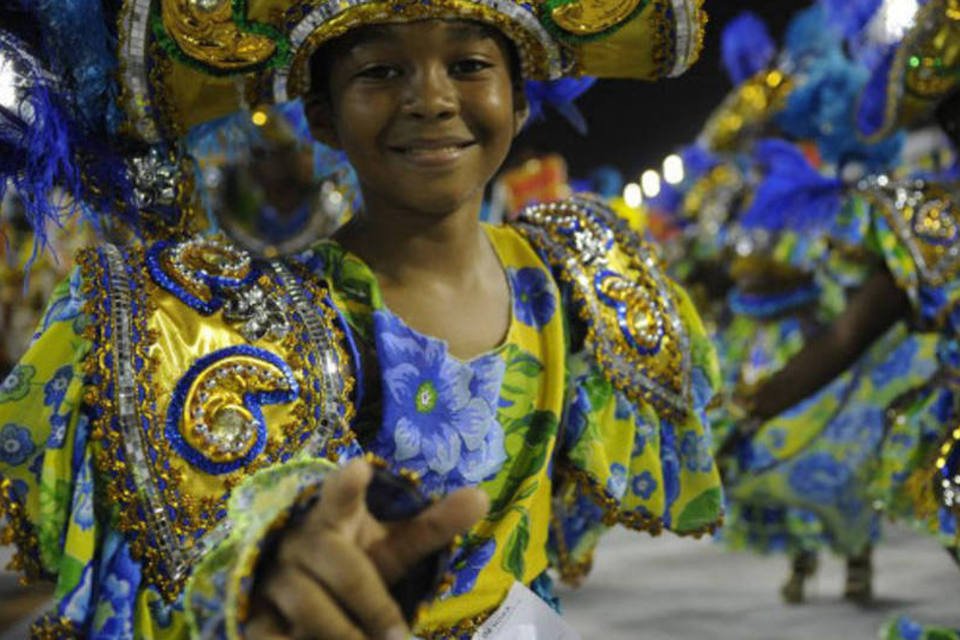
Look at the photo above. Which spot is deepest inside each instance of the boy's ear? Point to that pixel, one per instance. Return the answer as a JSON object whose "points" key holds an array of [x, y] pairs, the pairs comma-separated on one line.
{"points": [[320, 117], [521, 111]]}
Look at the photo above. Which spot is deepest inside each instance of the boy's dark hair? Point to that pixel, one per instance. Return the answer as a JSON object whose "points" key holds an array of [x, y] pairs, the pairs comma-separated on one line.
{"points": [[322, 59]]}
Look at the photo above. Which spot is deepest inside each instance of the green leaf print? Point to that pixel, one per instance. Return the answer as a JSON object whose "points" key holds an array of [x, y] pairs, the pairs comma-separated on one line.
{"points": [[524, 461], [515, 551], [701, 511], [16, 385]]}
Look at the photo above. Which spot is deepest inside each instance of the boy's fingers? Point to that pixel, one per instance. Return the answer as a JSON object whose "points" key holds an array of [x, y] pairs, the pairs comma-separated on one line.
{"points": [[343, 494], [264, 626], [309, 611], [412, 540], [351, 578]]}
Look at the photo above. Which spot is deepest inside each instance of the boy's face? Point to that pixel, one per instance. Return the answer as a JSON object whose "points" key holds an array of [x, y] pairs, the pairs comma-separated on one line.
{"points": [[425, 111]]}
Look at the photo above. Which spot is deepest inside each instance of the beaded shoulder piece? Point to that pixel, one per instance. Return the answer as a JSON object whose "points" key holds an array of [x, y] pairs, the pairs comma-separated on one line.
{"points": [[925, 216], [207, 367], [621, 295]]}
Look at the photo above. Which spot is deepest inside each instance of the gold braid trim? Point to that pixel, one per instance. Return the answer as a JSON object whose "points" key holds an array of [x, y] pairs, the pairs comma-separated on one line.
{"points": [[636, 521], [51, 627], [19, 531], [571, 572]]}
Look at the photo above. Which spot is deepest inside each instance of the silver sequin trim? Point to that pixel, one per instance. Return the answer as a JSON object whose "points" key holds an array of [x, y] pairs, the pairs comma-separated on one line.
{"points": [[687, 24], [125, 389], [332, 372], [135, 24], [333, 8]]}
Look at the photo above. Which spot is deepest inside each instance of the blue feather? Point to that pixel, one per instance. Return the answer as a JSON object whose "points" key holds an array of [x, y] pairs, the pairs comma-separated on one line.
{"points": [[560, 95], [850, 16], [747, 47], [823, 109], [810, 37], [792, 194]]}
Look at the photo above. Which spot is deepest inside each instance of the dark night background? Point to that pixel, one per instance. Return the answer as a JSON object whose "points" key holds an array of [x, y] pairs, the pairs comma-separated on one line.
{"points": [[634, 125]]}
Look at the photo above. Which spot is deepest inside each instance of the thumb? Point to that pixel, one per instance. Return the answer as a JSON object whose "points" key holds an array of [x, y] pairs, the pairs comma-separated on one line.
{"points": [[412, 540]]}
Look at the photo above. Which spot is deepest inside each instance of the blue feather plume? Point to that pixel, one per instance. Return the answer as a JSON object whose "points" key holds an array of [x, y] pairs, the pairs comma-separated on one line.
{"points": [[746, 46], [35, 142], [850, 16], [559, 95], [792, 195], [823, 109]]}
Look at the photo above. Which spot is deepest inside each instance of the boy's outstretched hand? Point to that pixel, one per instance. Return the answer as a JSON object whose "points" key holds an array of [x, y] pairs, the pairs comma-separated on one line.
{"points": [[332, 572]]}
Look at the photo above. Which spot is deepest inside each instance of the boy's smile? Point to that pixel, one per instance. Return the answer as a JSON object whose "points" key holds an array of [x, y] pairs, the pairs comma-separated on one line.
{"points": [[426, 112]]}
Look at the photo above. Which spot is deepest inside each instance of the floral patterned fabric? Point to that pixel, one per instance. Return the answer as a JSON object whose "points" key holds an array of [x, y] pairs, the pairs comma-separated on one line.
{"points": [[922, 417], [495, 421], [560, 452]]}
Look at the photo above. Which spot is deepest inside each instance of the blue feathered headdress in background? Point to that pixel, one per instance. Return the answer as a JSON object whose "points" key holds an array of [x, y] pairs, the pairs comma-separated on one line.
{"points": [[792, 195], [850, 17], [560, 95], [809, 37], [822, 108], [746, 47], [59, 70]]}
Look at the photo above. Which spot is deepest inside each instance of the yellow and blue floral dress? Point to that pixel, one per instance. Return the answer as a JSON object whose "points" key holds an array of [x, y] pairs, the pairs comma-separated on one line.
{"points": [[181, 397], [858, 456]]}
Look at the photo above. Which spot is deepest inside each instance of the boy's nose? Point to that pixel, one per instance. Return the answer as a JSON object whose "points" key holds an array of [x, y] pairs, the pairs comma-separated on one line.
{"points": [[431, 94]]}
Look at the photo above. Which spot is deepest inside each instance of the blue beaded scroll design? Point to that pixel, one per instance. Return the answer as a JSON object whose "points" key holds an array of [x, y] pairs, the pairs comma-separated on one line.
{"points": [[198, 271], [215, 419]]}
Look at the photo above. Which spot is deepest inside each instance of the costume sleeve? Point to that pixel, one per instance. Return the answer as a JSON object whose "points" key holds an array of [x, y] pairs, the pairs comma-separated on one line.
{"points": [[634, 446], [46, 470], [218, 593], [624, 462], [913, 229]]}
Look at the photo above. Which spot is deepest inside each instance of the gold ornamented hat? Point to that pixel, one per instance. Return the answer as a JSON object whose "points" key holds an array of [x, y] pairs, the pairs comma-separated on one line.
{"points": [[186, 62], [916, 75]]}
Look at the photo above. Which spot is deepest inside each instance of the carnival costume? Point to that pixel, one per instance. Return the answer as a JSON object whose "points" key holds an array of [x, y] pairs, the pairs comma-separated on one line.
{"points": [[789, 285], [185, 399], [915, 229], [911, 227]]}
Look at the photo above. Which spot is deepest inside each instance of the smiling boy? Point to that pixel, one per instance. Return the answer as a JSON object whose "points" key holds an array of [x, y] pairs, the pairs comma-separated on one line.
{"points": [[185, 447]]}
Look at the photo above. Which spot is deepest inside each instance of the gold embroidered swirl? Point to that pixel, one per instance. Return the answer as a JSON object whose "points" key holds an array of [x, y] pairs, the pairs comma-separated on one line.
{"points": [[588, 17], [206, 32]]}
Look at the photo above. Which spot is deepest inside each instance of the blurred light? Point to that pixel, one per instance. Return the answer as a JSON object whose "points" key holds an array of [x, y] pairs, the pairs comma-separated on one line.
{"points": [[650, 181], [633, 195], [673, 169], [259, 117], [8, 84], [892, 20]]}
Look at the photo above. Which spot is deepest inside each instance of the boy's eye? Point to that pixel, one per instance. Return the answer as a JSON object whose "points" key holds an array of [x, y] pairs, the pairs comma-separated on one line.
{"points": [[379, 72], [469, 65]]}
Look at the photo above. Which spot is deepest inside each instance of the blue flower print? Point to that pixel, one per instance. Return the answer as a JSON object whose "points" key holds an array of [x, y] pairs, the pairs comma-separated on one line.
{"points": [[15, 444], [862, 427], [617, 482], [439, 413], [120, 581], [644, 485], [695, 452], [671, 466], [819, 478], [908, 629], [58, 431], [468, 563], [83, 499], [16, 385], [533, 302], [896, 365], [56, 388]]}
